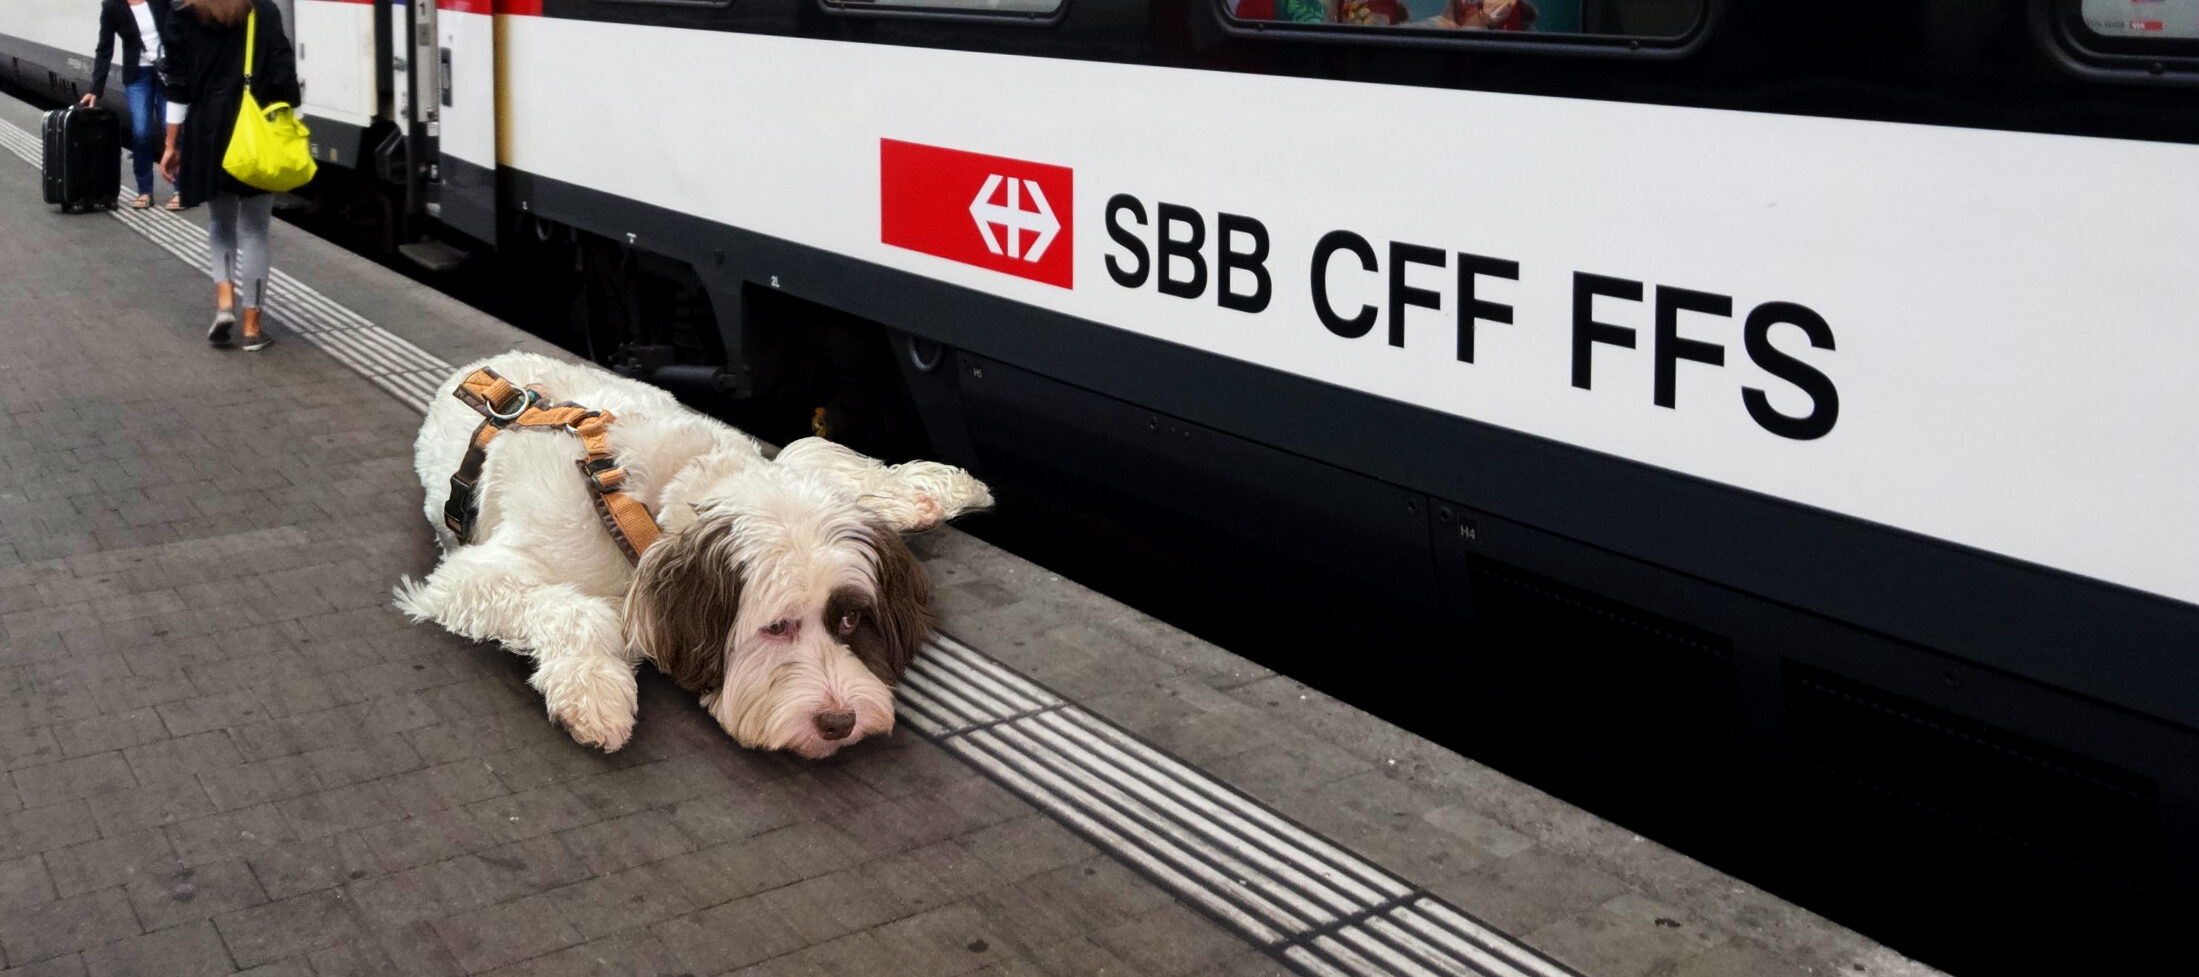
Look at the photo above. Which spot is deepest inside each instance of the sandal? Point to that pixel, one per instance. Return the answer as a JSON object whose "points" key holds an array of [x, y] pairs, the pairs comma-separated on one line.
{"points": [[175, 202], [143, 201]]}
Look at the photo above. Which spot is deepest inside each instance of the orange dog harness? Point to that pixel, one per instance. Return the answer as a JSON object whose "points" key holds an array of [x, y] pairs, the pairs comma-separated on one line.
{"points": [[504, 406]]}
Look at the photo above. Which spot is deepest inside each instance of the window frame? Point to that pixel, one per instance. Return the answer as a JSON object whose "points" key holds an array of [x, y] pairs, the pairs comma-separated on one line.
{"points": [[966, 15], [1507, 42], [2060, 29], [706, 4]]}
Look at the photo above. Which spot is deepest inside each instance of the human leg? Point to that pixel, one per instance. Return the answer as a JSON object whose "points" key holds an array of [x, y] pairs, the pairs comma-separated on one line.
{"points": [[221, 248], [145, 122], [254, 214]]}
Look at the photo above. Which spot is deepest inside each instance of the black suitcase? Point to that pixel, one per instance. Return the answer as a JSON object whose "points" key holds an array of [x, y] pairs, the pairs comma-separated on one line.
{"points": [[83, 162]]}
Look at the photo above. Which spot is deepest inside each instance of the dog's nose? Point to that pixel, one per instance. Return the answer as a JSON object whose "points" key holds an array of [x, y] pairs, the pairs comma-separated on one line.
{"points": [[835, 725]]}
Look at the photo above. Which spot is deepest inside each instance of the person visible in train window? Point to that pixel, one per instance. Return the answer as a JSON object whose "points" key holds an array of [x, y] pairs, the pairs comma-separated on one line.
{"points": [[1487, 15], [205, 79], [139, 23]]}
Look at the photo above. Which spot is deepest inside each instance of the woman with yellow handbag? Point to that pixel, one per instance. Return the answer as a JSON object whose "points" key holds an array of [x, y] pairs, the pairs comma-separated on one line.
{"points": [[231, 81]]}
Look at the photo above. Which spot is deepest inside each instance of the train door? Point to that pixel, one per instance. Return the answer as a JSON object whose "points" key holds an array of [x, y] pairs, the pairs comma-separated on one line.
{"points": [[334, 41], [462, 184]]}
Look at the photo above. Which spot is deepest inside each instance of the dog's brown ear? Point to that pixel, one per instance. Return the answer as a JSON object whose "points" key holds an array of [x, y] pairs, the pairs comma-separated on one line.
{"points": [[902, 618], [680, 610]]}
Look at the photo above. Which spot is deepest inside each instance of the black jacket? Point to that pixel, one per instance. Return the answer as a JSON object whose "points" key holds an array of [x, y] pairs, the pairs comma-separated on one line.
{"points": [[116, 20], [204, 68]]}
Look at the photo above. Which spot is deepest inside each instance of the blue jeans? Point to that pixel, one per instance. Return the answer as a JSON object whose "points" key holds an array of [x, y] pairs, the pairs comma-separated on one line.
{"points": [[147, 127]]}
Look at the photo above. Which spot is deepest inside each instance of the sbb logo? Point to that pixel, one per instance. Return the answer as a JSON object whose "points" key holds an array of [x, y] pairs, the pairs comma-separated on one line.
{"points": [[990, 211]]}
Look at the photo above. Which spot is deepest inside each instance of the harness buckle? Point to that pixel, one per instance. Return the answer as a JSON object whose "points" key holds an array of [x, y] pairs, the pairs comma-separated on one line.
{"points": [[574, 426], [604, 474], [459, 510], [526, 399]]}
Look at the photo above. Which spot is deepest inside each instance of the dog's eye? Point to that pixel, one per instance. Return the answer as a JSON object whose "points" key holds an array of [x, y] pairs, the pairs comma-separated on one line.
{"points": [[778, 628], [847, 624]]}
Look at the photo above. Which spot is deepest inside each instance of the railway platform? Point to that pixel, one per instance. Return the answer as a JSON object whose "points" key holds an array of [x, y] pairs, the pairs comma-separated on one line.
{"points": [[224, 751]]}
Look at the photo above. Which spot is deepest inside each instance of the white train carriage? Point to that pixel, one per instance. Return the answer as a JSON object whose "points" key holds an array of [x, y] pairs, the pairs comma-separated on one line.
{"points": [[1833, 368]]}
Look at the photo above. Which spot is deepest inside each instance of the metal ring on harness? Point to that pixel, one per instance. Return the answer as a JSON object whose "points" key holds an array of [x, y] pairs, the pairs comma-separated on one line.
{"points": [[526, 400], [573, 426]]}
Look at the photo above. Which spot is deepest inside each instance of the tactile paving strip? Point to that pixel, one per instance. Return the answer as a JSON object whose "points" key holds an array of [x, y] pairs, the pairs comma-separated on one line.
{"points": [[1303, 899]]}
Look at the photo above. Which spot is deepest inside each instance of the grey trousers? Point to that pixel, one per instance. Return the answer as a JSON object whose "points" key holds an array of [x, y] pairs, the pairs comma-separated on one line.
{"points": [[236, 230]]}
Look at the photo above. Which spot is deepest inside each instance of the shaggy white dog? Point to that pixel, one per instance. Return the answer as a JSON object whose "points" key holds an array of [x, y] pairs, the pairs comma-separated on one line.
{"points": [[780, 590]]}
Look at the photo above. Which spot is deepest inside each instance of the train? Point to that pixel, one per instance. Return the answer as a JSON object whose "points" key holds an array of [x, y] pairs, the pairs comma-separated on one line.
{"points": [[1789, 394]]}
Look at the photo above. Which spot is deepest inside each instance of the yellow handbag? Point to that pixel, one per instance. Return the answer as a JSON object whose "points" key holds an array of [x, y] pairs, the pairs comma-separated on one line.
{"points": [[268, 149]]}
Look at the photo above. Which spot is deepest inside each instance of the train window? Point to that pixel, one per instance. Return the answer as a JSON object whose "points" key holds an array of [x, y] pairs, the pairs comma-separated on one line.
{"points": [[1010, 8], [2162, 20], [2147, 41], [1633, 21]]}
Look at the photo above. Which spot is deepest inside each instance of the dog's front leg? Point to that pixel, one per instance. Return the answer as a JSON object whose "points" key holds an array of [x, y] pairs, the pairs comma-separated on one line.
{"points": [[911, 497], [493, 593]]}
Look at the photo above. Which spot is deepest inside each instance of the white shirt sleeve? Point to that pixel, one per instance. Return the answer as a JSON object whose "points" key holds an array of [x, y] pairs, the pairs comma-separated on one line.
{"points": [[176, 112]]}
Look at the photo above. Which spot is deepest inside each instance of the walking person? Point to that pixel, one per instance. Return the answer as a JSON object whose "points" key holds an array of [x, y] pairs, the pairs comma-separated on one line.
{"points": [[206, 78], [140, 24]]}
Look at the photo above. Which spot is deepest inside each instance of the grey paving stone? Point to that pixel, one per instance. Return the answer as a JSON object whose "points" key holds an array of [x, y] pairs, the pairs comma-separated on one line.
{"points": [[624, 955], [414, 951], [24, 883], [727, 937], [854, 954], [1530, 890], [39, 829], [494, 936], [725, 872], [728, 817], [542, 810], [89, 776], [218, 711], [382, 757], [107, 861], [232, 835], [29, 747], [1170, 940], [624, 842], [242, 785], [444, 785], [1080, 957], [319, 863], [1628, 936], [287, 928], [340, 809], [70, 965], [177, 798], [410, 842], [113, 731], [79, 922], [1027, 846], [184, 951], [173, 894], [948, 940], [622, 901], [828, 906]]}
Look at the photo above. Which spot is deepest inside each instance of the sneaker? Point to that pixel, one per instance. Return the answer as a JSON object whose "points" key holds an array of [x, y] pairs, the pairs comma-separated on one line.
{"points": [[253, 344], [224, 321]]}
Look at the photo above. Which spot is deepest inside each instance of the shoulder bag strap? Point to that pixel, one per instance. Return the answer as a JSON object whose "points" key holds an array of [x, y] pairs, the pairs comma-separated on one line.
{"points": [[251, 34]]}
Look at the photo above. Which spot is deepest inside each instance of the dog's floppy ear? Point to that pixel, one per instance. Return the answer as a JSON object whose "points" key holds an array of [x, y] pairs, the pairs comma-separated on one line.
{"points": [[903, 615], [686, 592]]}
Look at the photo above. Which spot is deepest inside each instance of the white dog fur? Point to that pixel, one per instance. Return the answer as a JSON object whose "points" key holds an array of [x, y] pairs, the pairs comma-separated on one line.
{"points": [[780, 592]]}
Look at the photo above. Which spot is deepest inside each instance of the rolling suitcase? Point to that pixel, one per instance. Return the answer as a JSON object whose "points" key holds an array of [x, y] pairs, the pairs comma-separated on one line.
{"points": [[83, 161]]}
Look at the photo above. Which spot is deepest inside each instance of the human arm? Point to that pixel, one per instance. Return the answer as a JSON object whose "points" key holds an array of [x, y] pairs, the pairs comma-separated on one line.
{"points": [[104, 53]]}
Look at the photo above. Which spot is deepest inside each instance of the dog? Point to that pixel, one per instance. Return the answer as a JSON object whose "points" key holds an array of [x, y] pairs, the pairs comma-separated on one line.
{"points": [[779, 591]]}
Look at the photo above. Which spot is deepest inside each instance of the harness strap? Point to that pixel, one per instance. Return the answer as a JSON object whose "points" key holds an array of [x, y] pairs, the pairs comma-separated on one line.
{"points": [[504, 405]]}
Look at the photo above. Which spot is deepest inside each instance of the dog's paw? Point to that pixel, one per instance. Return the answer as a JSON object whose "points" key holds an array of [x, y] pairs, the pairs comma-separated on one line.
{"points": [[592, 724]]}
